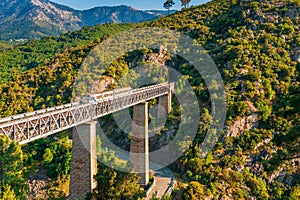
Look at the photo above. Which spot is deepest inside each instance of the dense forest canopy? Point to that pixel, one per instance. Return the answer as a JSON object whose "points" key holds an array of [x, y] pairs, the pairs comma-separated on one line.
{"points": [[256, 46]]}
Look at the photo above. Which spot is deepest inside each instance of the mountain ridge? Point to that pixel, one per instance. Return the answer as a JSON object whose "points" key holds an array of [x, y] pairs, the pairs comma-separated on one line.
{"points": [[31, 19]]}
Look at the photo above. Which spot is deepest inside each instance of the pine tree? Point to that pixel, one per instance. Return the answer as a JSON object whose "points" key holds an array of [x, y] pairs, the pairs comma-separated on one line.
{"points": [[168, 4], [185, 3]]}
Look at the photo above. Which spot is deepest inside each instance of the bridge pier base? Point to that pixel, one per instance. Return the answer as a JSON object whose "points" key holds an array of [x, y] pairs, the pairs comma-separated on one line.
{"points": [[84, 160], [139, 145]]}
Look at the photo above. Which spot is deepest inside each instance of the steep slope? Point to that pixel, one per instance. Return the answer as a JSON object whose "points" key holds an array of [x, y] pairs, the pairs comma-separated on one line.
{"points": [[38, 18], [255, 45]]}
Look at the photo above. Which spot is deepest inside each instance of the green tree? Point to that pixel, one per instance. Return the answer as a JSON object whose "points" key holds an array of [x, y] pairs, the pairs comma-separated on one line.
{"points": [[8, 193], [113, 184], [194, 191], [57, 158], [295, 194], [185, 3], [11, 169], [168, 4]]}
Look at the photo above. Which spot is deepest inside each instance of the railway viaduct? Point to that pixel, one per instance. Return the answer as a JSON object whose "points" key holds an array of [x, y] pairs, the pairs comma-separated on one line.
{"points": [[81, 119]]}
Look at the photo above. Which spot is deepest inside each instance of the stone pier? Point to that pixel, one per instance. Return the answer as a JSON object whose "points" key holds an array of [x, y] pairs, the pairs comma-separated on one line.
{"points": [[139, 147], [84, 160], [165, 105]]}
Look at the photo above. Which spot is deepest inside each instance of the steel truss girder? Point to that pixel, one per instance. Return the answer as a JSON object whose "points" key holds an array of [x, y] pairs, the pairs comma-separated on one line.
{"points": [[31, 126]]}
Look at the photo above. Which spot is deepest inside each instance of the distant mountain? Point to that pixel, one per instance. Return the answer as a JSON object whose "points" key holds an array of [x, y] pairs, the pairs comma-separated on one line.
{"points": [[118, 14], [37, 18]]}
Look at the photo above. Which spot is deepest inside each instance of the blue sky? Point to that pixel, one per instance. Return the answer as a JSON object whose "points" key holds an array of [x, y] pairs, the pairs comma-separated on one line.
{"points": [[140, 4]]}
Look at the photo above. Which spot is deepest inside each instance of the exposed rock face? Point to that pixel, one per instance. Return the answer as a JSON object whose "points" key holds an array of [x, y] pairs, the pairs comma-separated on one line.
{"points": [[283, 176], [158, 142], [158, 58], [104, 83], [297, 55], [292, 13], [38, 185], [243, 125]]}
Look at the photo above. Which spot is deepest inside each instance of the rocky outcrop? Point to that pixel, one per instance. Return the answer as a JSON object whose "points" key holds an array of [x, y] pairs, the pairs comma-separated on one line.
{"points": [[104, 83], [296, 55], [283, 175], [157, 58], [292, 13], [157, 142], [243, 125], [38, 184]]}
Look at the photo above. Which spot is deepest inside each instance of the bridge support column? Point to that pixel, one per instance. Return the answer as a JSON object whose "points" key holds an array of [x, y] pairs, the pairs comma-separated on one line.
{"points": [[84, 160], [165, 105], [139, 147]]}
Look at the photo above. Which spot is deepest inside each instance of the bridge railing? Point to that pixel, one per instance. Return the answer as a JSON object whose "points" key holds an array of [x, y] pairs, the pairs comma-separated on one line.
{"points": [[31, 126]]}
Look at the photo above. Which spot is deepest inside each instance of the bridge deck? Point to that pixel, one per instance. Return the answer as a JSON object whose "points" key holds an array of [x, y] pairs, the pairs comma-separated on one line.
{"points": [[31, 126]]}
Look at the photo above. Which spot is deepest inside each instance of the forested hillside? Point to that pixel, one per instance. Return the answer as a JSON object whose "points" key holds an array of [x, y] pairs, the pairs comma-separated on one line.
{"points": [[256, 46]]}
